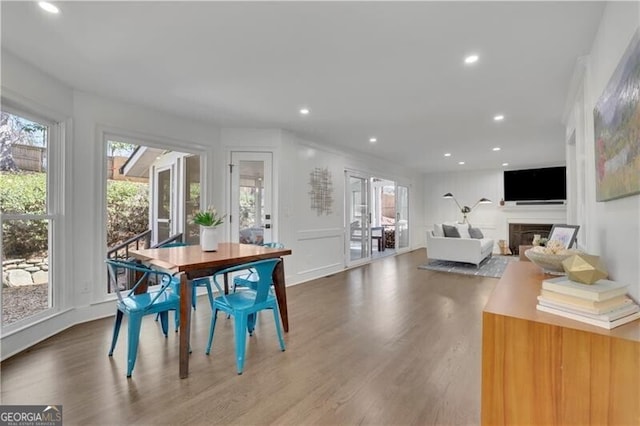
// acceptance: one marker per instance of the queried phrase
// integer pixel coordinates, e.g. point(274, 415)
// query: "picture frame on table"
point(565, 233)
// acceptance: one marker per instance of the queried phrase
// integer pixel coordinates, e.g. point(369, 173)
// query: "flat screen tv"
point(545, 184)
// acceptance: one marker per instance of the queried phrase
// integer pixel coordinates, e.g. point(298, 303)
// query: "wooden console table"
point(540, 368)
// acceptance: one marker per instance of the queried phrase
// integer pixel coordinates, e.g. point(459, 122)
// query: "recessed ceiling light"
point(305, 111)
point(505, 164)
point(461, 162)
point(373, 140)
point(497, 148)
point(448, 154)
point(471, 59)
point(45, 5)
point(498, 117)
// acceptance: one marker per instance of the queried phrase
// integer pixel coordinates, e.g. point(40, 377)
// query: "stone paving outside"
point(25, 289)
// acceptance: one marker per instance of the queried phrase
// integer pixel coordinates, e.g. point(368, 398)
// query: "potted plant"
point(208, 220)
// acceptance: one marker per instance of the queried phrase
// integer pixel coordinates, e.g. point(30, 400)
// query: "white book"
point(601, 290)
point(604, 324)
point(612, 315)
point(590, 306)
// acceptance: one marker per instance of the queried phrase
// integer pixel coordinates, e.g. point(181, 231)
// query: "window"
point(152, 192)
point(27, 216)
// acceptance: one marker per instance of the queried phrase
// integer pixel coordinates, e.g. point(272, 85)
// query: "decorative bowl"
point(551, 263)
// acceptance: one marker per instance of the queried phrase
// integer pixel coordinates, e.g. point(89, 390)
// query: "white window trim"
point(56, 201)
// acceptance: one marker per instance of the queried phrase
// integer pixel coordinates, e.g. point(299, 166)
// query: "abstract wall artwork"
point(321, 193)
point(617, 129)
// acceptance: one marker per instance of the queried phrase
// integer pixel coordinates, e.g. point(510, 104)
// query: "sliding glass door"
point(402, 217)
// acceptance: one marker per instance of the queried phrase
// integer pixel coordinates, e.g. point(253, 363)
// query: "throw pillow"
point(463, 230)
point(437, 230)
point(450, 231)
point(476, 233)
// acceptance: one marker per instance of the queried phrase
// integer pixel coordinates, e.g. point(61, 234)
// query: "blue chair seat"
point(145, 302)
point(198, 282)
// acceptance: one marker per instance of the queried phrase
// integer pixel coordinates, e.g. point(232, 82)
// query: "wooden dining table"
point(193, 263)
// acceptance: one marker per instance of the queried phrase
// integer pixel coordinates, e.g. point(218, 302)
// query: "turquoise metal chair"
point(245, 305)
point(198, 282)
point(136, 306)
point(249, 280)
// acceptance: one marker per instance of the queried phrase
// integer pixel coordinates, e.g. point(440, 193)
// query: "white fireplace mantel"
point(537, 214)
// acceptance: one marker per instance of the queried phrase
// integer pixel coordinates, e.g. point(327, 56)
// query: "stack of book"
point(604, 304)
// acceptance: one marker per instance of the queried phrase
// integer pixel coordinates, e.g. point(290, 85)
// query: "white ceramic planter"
point(208, 238)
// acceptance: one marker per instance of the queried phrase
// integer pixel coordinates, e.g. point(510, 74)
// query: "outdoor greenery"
point(127, 210)
point(21, 192)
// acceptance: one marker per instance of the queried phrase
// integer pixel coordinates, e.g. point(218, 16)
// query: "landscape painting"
point(617, 129)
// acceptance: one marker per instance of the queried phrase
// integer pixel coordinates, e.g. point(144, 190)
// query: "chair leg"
point(276, 318)
point(176, 319)
point(134, 335)
point(164, 322)
point(116, 331)
point(210, 294)
point(251, 323)
point(193, 295)
point(241, 339)
point(212, 328)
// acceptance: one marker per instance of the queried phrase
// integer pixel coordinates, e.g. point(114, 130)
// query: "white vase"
point(536, 239)
point(208, 238)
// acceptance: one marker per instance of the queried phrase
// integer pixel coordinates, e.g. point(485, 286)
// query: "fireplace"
point(522, 234)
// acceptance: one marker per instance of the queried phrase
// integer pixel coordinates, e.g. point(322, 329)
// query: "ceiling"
point(390, 70)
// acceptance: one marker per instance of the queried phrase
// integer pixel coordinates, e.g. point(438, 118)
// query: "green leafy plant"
point(209, 217)
point(127, 210)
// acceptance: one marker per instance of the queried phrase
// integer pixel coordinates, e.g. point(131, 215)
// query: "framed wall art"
point(617, 129)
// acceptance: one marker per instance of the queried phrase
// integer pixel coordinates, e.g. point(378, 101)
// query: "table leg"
point(185, 324)
point(281, 294)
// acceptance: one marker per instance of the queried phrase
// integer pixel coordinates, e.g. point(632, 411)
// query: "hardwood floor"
point(386, 343)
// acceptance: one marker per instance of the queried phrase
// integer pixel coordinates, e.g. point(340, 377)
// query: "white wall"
point(613, 227)
point(316, 241)
point(493, 219)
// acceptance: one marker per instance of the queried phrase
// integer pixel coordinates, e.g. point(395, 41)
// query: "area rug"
point(493, 267)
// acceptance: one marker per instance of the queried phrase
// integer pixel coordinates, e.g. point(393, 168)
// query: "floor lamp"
point(465, 210)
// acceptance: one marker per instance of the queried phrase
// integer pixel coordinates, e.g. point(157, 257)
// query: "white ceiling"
point(385, 69)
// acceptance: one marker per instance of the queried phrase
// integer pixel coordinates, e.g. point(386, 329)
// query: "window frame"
point(105, 133)
point(55, 201)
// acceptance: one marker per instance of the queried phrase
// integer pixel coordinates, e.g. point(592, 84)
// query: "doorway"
point(251, 198)
point(376, 217)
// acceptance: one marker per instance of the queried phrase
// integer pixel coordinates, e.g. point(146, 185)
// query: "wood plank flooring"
point(386, 343)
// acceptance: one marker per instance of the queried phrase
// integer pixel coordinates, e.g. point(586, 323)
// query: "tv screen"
point(544, 184)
